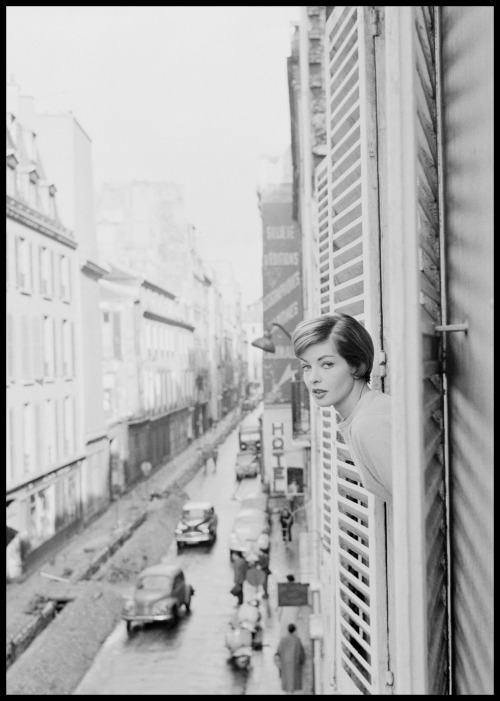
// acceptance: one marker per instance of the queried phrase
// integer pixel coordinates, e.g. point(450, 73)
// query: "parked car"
point(255, 500)
point(197, 524)
point(250, 533)
point(247, 465)
point(249, 437)
point(159, 593)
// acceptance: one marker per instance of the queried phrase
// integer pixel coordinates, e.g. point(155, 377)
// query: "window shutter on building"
point(352, 285)
point(420, 516)
point(430, 300)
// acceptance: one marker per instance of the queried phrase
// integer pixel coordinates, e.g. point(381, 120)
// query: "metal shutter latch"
point(453, 327)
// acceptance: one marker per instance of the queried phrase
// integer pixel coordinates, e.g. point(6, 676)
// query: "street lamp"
point(266, 342)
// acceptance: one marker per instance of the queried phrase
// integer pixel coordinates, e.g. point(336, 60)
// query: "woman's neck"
point(360, 388)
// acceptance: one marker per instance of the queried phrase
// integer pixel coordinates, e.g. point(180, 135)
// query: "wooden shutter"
point(430, 300)
point(352, 285)
point(420, 518)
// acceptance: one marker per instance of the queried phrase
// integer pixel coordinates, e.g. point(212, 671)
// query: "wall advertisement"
point(282, 289)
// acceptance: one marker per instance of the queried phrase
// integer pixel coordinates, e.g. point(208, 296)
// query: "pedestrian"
point(264, 566)
point(240, 567)
point(286, 520)
point(336, 354)
point(289, 658)
point(215, 455)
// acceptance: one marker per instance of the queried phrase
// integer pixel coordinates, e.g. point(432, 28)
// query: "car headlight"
point(128, 607)
point(161, 607)
point(204, 528)
point(181, 528)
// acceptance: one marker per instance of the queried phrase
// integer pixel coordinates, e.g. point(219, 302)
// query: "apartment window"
point(23, 264)
point(10, 348)
point(51, 433)
point(11, 181)
point(69, 426)
point(107, 336)
point(52, 205)
point(46, 272)
point(32, 194)
point(117, 336)
point(67, 348)
point(37, 343)
point(48, 348)
point(148, 340)
point(28, 439)
point(27, 368)
point(11, 453)
point(65, 278)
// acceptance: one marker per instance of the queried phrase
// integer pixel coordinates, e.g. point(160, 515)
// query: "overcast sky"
point(190, 94)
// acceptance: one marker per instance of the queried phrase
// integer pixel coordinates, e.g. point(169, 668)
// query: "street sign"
point(293, 594)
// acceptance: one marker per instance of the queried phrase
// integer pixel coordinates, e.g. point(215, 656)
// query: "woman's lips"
point(319, 392)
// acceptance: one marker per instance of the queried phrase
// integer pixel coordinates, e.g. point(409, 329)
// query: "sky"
point(194, 95)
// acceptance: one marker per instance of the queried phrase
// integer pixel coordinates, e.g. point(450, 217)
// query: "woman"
point(336, 354)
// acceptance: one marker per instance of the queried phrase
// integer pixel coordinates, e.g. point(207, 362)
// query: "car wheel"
point(188, 603)
point(180, 546)
point(175, 614)
point(129, 626)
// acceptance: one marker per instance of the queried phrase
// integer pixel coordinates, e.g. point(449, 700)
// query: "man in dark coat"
point(290, 657)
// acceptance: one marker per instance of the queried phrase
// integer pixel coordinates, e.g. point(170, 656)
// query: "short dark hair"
point(291, 628)
point(352, 340)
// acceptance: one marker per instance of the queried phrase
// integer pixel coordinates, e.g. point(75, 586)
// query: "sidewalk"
point(286, 558)
point(29, 608)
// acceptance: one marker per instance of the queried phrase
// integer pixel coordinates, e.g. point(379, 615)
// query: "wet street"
point(191, 657)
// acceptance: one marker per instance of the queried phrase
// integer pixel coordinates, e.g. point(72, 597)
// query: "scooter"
point(249, 617)
point(239, 644)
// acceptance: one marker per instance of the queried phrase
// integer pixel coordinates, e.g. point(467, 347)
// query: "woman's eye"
point(327, 365)
point(305, 367)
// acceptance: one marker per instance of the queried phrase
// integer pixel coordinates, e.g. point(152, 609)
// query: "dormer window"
point(11, 173)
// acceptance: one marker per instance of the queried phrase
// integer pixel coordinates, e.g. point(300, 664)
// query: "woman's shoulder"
point(374, 401)
point(373, 410)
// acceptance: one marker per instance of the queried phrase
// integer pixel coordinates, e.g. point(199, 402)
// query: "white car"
point(250, 532)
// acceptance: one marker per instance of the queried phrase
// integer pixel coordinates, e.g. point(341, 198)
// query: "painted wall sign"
point(293, 594)
point(282, 287)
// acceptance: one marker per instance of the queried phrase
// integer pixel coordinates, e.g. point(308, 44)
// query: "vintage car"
point(249, 438)
point(197, 524)
point(247, 465)
point(255, 500)
point(250, 533)
point(159, 593)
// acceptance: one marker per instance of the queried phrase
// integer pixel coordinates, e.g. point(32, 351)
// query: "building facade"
point(45, 430)
point(149, 376)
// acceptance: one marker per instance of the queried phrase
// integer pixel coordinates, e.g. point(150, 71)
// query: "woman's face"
point(328, 376)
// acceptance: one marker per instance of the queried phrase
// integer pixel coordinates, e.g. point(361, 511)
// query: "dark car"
point(249, 437)
point(159, 593)
point(197, 524)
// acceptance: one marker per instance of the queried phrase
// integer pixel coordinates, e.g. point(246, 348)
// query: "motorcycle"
point(249, 617)
point(239, 644)
point(245, 634)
